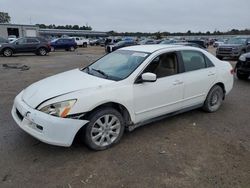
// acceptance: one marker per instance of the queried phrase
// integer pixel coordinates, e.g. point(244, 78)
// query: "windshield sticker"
point(139, 54)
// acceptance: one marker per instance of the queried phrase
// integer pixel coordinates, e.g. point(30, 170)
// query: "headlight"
point(0, 45)
point(60, 109)
point(242, 57)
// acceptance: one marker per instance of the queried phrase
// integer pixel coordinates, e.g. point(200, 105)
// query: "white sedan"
point(125, 89)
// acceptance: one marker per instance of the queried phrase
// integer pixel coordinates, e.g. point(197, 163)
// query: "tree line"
point(74, 27)
point(188, 33)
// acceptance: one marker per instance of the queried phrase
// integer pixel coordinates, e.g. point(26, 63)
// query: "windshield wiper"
point(101, 72)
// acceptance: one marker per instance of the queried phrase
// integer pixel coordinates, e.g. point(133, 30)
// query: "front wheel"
point(72, 49)
point(214, 99)
point(105, 128)
point(52, 49)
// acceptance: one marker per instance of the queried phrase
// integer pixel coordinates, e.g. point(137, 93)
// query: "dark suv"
point(242, 67)
point(67, 44)
point(233, 48)
point(36, 45)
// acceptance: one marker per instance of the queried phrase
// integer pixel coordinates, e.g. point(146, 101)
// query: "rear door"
point(199, 76)
point(32, 44)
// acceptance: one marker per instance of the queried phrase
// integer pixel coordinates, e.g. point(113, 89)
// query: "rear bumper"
point(46, 128)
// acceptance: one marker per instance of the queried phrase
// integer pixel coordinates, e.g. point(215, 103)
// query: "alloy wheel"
point(105, 130)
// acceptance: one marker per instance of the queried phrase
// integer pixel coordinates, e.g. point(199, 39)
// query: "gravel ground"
point(194, 149)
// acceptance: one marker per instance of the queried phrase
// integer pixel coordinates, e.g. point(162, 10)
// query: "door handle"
point(177, 82)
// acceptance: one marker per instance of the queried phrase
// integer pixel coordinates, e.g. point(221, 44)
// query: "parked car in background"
point(81, 41)
point(124, 89)
point(36, 45)
point(242, 67)
point(111, 41)
point(189, 44)
point(168, 41)
point(218, 43)
point(94, 42)
point(233, 48)
point(12, 38)
point(3, 40)
point(202, 43)
point(147, 41)
point(118, 45)
point(67, 44)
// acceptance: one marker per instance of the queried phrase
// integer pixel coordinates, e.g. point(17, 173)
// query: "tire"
point(7, 52)
point(84, 45)
point(42, 51)
point(214, 99)
point(241, 76)
point(99, 134)
point(72, 48)
point(52, 49)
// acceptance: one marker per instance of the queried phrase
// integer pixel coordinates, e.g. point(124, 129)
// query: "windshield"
point(117, 65)
point(236, 41)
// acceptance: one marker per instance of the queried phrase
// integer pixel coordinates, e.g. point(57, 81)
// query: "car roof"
point(150, 48)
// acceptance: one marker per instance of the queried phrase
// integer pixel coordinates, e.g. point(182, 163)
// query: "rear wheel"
point(105, 128)
point(7, 52)
point(214, 99)
point(84, 45)
point(42, 51)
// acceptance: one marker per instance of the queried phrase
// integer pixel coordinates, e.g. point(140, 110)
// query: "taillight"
point(232, 71)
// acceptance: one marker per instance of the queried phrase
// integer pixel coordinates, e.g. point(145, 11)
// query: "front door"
point(162, 96)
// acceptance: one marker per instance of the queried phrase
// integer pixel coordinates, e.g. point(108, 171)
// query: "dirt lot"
point(194, 149)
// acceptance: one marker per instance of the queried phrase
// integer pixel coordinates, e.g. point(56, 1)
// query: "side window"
point(163, 65)
point(193, 60)
point(32, 41)
point(21, 41)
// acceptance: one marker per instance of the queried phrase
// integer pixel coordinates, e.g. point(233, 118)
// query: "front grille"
point(20, 116)
point(225, 50)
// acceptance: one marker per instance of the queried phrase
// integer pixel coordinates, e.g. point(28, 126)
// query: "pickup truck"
point(233, 48)
point(81, 41)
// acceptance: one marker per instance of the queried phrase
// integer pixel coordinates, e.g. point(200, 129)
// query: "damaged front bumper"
point(46, 128)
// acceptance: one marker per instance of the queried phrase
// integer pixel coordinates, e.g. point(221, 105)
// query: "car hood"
point(230, 45)
point(60, 84)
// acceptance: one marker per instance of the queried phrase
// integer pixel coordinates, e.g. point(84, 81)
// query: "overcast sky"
point(133, 15)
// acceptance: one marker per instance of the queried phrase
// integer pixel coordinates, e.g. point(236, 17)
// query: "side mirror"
point(148, 77)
